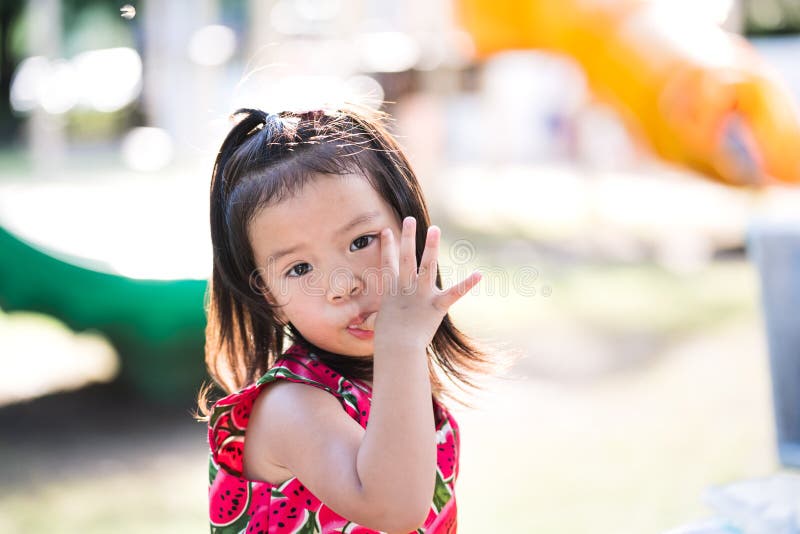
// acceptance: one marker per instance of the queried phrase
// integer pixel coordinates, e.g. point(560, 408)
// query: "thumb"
point(451, 295)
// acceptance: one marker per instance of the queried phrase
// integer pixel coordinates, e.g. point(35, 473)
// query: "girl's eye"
point(360, 240)
point(292, 270)
point(363, 241)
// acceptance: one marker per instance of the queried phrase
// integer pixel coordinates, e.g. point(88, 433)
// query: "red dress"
point(237, 504)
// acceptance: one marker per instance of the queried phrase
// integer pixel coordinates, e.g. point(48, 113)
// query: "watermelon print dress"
point(239, 505)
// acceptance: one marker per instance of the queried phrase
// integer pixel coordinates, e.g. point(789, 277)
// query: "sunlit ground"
point(607, 428)
point(641, 389)
point(628, 453)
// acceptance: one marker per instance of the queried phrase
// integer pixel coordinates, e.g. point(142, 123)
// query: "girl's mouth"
point(359, 333)
point(365, 328)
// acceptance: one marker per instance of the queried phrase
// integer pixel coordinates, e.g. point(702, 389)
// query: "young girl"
point(321, 235)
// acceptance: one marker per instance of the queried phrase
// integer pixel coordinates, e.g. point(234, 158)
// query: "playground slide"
point(697, 95)
point(157, 326)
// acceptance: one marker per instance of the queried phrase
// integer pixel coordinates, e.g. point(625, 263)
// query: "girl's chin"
point(349, 346)
point(359, 346)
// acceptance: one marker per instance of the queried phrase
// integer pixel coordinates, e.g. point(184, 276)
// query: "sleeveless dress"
point(237, 504)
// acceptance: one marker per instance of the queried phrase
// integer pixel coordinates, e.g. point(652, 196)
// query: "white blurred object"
point(110, 78)
point(704, 44)
point(298, 17)
point(301, 92)
point(318, 9)
point(601, 140)
point(716, 11)
point(147, 149)
point(30, 75)
point(285, 18)
point(387, 51)
point(103, 80)
point(768, 505)
point(712, 526)
point(212, 45)
point(115, 225)
point(127, 11)
point(40, 355)
point(58, 93)
point(528, 101)
point(51, 85)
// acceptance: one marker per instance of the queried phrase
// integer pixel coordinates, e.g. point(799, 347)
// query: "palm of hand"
point(412, 306)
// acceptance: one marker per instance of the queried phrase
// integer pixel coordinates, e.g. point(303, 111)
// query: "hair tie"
point(255, 119)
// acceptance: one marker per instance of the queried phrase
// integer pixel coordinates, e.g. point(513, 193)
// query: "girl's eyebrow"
point(361, 219)
point(364, 217)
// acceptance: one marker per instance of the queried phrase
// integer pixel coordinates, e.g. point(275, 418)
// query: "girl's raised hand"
point(412, 307)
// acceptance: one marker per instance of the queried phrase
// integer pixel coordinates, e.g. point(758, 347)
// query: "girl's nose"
point(343, 284)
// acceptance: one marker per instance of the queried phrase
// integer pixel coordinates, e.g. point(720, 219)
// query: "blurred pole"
point(261, 36)
point(774, 246)
point(45, 131)
point(208, 79)
point(175, 92)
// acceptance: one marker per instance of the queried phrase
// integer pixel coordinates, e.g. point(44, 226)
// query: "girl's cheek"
point(281, 288)
point(371, 270)
point(375, 258)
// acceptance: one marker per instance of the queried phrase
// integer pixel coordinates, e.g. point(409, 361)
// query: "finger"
point(451, 295)
point(388, 273)
point(408, 253)
point(427, 265)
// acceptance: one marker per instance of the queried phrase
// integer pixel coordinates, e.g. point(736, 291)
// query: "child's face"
point(332, 276)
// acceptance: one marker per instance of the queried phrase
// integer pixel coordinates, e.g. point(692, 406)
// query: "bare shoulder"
point(275, 411)
point(284, 404)
point(286, 419)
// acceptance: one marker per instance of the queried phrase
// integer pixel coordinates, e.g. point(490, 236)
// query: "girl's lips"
point(364, 321)
point(359, 333)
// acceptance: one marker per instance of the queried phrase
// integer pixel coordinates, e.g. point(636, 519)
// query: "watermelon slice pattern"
point(238, 505)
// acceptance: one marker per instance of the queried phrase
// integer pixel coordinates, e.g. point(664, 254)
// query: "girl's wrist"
point(405, 345)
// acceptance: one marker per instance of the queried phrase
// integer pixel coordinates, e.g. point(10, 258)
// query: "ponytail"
point(235, 339)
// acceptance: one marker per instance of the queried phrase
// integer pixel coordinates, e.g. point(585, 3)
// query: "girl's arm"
point(397, 460)
point(305, 430)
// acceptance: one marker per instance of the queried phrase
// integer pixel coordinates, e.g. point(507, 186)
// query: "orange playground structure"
point(697, 95)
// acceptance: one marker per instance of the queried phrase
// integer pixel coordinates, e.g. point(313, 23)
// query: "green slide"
point(157, 326)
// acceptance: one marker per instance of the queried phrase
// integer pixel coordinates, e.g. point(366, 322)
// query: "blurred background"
point(614, 253)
